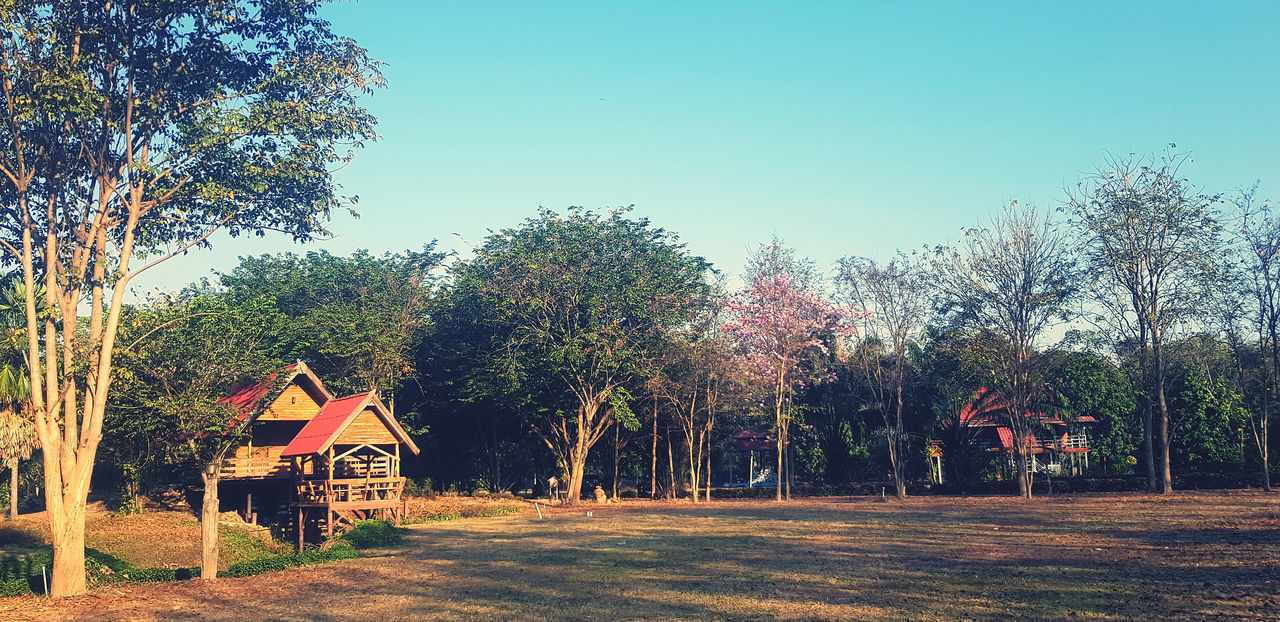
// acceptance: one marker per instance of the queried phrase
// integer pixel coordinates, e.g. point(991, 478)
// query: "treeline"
point(596, 347)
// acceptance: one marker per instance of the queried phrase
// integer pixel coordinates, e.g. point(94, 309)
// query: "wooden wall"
point(293, 404)
point(367, 428)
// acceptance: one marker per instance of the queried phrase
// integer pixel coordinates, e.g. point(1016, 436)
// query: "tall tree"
point(1257, 242)
point(17, 431)
point(957, 364)
point(1012, 280)
point(356, 318)
point(140, 128)
point(694, 373)
point(574, 309)
point(1147, 235)
point(1090, 385)
point(780, 319)
point(892, 302)
point(183, 357)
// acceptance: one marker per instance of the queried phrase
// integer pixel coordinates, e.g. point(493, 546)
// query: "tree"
point(779, 319)
point(17, 435)
point(892, 302)
point(1205, 414)
point(1257, 242)
point(355, 318)
point(957, 365)
point(1148, 235)
point(695, 370)
point(186, 355)
point(1011, 280)
point(17, 432)
point(1089, 385)
point(138, 129)
point(572, 310)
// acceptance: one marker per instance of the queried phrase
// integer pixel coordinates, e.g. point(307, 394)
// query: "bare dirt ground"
point(1188, 556)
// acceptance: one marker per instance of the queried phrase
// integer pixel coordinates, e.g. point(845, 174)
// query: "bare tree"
point(891, 304)
point(1257, 235)
point(1148, 236)
point(1011, 280)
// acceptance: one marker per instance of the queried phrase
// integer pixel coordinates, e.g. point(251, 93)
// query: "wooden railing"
point(350, 490)
point(1069, 441)
point(360, 466)
point(257, 466)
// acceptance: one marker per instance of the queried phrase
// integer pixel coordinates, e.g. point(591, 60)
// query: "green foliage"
point(243, 547)
point(293, 560)
point(181, 355)
point(22, 574)
point(373, 533)
point(1206, 417)
point(551, 318)
point(1088, 385)
point(355, 319)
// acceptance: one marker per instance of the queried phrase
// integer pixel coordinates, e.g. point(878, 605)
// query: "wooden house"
point(1055, 444)
point(316, 460)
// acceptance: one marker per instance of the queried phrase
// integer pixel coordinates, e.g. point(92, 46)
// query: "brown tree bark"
point(209, 523)
point(13, 488)
point(1166, 472)
point(653, 456)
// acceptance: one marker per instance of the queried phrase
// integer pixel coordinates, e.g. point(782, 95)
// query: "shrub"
point(280, 562)
point(373, 533)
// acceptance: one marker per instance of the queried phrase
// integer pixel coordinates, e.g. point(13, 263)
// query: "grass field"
point(1116, 557)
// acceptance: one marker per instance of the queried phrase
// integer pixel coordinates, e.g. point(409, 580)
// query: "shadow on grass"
point(843, 560)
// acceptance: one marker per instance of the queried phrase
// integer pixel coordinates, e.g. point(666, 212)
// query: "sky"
point(844, 128)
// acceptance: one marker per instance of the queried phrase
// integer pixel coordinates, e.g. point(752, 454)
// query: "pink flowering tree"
point(782, 323)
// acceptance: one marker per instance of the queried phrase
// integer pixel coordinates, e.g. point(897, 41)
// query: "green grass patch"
point(241, 546)
point(292, 560)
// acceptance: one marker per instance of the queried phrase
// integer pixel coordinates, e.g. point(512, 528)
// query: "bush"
point(281, 562)
point(418, 487)
point(373, 533)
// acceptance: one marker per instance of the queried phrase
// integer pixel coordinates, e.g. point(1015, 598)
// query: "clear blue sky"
point(843, 127)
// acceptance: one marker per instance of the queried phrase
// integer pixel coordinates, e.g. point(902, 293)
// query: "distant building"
point(1057, 444)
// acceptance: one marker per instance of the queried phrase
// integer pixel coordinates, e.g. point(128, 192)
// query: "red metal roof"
point(753, 440)
point(245, 399)
point(334, 417)
point(982, 413)
point(1006, 437)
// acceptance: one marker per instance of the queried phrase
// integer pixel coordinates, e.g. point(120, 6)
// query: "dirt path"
point(1188, 556)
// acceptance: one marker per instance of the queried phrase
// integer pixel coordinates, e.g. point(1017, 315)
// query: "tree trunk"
point(653, 456)
point(899, 486)
point(1148, 446)
point(209, 523)
point(1266, 472)
point(791, 461)
point(1024, 477)
point(13, 488)
point(780, 444)
point(695, 462)
point(706, 494)
point(575, 472)
point(1166, 471)
point(671, 468)
point(68, 578)
point(616, 460)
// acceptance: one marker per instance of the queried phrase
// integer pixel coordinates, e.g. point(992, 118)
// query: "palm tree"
point(17, 433)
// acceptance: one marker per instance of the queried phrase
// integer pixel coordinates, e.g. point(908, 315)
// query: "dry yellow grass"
point(1117, 557)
